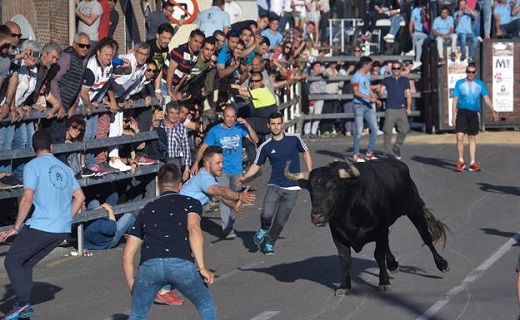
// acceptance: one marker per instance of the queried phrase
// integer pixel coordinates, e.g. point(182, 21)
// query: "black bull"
point(360, 203)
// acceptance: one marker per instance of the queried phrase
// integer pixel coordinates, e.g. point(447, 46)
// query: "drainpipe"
point(72, 20)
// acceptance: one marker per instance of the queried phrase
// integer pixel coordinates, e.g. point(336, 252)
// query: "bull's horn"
point(352, 172)
point(295, 176)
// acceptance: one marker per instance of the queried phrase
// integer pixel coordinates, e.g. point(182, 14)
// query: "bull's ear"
point(304, 184)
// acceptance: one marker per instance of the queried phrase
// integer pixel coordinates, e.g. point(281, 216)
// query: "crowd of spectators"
point(88, 90)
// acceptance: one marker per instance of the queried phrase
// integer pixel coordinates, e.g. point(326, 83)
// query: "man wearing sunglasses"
point(65, 84)
point(397, 109)
point(466, 109)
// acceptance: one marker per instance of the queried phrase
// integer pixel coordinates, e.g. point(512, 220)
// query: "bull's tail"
point(436, 228)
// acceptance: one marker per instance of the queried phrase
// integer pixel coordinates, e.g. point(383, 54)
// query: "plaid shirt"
point(178, 146)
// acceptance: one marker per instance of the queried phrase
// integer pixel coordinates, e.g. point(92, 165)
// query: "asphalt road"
point(481, 209)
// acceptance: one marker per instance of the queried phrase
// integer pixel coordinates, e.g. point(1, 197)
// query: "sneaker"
point(168, 298)
point(145, 161)
point(268, 249)
point(358, 157)
point(474, 167)
point(441, 62)
point(410, 53)
point(87, 173)
point(23, 312)
point(479, 38)
point(119, 165)
point(11, 181)
point(259, 236)
point(471, 60)
point(231, 235)
point(98, 170)
point(397, 153)
point(108, 168)
point(416, 65)
point(389, 38)
point(370, 156)
point(460, 166)
point(463, 57)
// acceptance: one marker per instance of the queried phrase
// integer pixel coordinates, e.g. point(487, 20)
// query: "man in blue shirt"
point(464, 20)
point(281, 193)
point(443, 29)
point(228, 135)
point(466, 108)
point(363, 99)
point(214, 18)
point(397, 108)
point(50, 185)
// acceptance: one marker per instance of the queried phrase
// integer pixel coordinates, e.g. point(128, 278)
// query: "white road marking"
point(265, 315)
point(470, 278)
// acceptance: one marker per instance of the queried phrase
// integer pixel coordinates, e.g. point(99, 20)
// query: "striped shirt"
point(178, 146)
point(185, 62)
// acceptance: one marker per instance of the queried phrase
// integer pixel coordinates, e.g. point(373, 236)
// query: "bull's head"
point(324, 185)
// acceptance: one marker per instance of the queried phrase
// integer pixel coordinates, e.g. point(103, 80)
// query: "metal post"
point(80, 239)
point(342, 35)
point(331, 36)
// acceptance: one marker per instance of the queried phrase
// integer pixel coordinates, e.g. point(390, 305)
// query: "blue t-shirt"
point(363, 83)
point(212, 19)
point(197, 186)
point(230, 139)
point(396, 88)
point(278, 153)
point(464, 25)
point(274, 38)
point(504, 11)
point(224, 55)
point(53, 183)
point(417, 19)
point(469, 93)
point(443, 26)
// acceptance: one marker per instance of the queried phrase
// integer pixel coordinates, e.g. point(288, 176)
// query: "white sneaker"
point(410, 53)
point(358, 157)
point(416, 64)
point(119, 165)
point(389, 38)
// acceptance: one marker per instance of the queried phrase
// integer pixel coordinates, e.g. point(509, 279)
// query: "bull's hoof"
point(341, 292)
point(443, 266)
point(394, 267)
point(385, 288)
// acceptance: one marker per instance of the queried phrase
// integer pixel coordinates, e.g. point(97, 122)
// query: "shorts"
point(467, 122)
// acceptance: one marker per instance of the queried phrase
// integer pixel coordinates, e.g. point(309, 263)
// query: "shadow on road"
point(41, 292)
point(441, 163)
point(515, 191)
point(496, 232)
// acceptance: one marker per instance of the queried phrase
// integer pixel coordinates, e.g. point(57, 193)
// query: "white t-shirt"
point(87, 8)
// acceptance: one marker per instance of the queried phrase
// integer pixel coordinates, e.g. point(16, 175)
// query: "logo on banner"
point(184, 10)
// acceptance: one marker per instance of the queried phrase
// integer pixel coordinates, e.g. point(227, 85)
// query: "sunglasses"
point(471, 72)
point(150, 70)
point(16, 35)
point(396, 68)
point(357, 50)
point(288, 47)
point(75, 127)
point(83, 46)
point(252, 81)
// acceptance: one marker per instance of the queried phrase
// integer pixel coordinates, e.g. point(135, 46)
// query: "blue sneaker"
point(268, 249)
point(24, 312)
point(259, 236)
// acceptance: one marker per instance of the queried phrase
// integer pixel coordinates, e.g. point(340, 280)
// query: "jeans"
point(6, 143)
point(348, 107)
point(286, 18)
point(418, 40)
point(123, 224)
point(91, 124)
point(361, 112)
point(311, 127)
point(227, 215)
point(278, 203)
point(485, 6)
point(182, 274)
point(472, 44)
point(395, 24)
point(23, 133)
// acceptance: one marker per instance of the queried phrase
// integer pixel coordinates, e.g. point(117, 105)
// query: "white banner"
point(503, 78)
point(456, 71)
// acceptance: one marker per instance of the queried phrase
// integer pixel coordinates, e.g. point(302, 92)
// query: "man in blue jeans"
point(168, 234)
point(363, 99)
point(281, 193)
point(50, 186)
point(105, 233)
